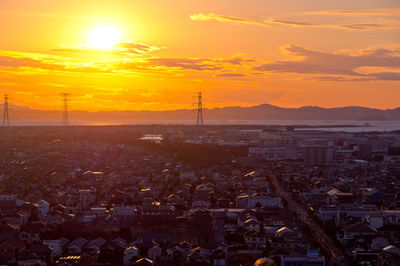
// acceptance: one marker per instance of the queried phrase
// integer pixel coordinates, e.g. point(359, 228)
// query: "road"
point(326, 243)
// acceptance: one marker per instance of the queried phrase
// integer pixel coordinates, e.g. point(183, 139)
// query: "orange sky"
point(286, 53)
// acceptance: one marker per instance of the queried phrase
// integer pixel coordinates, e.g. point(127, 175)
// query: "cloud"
point(235, 60)
point(84, 50)
point(121, 48)
point(317, 62)
point(185, 63)
point(233, 64)
point(290, 23)
point(229, 75)
point(394, 76)
point(25, 61)
point(132, 47)
point(20, 62)
point(327, 78)
point(15, 62)
point(364, 26)
point(223, 18)
point(355, 26)
point(362, 12)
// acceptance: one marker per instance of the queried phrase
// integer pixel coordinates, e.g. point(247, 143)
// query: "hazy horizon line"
point(204, 108)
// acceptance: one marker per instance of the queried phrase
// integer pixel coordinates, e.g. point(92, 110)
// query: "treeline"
point(200, 155)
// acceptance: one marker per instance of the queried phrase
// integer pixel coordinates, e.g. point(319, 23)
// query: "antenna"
point(65, 119)
point(6, 118)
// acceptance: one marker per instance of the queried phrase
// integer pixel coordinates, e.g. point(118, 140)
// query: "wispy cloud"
point(383, 24)
point(121, 48)
point(291, 23)
point(229, 75)
point(364, 26)
point(339, 63)
point(24, 62)
point(362, 12)
point(185, 63)
point(223, 18)
point(355, 26)
point(237, 59)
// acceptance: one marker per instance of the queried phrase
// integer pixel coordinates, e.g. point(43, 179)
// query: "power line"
point(199, 122)
point(65, 117)
point(6, 118)
point(199, 110)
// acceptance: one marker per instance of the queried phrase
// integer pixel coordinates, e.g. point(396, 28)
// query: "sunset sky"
point(155, 55)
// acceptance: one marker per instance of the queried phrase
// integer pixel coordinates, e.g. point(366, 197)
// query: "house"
point(195, 258)
point(358, 230)
point(188, 175)
point(154, 253)
point(379, 243)
point(8, 231)
point(218, 257)
point(255, 240)
point(93, 247)
point(76, 246)
point(113, 251)
point(252, 224)
point(31, 232)
point(16, 217)
point(375, 221)
point(175, 200)
point(9, 249)
point(290, 260)
point(54, 217)
point(338, 197)
point(244, 216)
point(123, 211)
point(201, 204)
point(57, 245)
point(43, 208)
point(144, 262)
point(131, 253)
point(83, 259)
point(157, 213)
point(43, 251)
point(390, 232)
point(391, 254)
point(179, 252)
point(158, 237)
point(31, 262)
point(98, 211)
point(263, 199)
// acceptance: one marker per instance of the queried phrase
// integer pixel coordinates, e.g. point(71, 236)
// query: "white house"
point(265, 200)
point(43, 208)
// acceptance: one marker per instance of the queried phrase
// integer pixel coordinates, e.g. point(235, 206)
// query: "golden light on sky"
point(154, 55)
point(104, 36)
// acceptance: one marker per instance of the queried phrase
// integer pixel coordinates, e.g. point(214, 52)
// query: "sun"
point(104, 36)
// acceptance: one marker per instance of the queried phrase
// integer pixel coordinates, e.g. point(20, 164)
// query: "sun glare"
point(104, 37)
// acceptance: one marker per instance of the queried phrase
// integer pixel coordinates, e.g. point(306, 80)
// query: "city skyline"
point(127, 55)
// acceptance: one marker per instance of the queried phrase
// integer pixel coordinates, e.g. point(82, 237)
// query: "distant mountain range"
point(263, 112)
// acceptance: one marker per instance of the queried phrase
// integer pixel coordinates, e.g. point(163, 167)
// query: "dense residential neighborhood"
point(171, 195)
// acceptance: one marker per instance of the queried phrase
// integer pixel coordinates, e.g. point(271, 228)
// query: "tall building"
point(318, 154)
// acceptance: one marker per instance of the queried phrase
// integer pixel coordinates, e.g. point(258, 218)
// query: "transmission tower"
point(199, 110)
point(65, 119)
point(6, 118)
